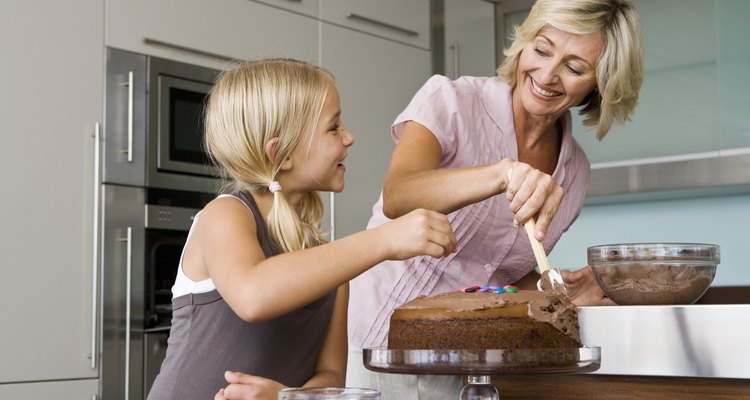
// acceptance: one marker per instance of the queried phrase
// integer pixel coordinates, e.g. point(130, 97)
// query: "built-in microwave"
point(153, 128)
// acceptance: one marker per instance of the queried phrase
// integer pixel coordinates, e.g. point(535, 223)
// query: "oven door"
point(181, 128)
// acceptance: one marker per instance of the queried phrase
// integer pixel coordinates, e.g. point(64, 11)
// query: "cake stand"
point(479, 365)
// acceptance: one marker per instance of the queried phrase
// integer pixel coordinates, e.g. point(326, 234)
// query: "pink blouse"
point(472, 118)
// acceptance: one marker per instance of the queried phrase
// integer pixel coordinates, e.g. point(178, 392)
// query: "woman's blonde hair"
point(251, 104)
point(619, 70)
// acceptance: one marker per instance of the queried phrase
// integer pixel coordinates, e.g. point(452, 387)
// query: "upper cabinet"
point(405, 21)
point(306, 7)
point(469, 49)
point(210, 33)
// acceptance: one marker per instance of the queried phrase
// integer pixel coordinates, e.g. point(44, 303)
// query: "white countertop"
point(710, 341)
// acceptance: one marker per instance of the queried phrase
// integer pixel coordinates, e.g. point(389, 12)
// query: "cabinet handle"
point(128, 272)
point(130, 85)
point(95, 251)
point(382, 24)
point(456, 70)
point(174, 46)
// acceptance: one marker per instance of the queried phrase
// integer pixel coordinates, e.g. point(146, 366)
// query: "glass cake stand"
point(479, 365)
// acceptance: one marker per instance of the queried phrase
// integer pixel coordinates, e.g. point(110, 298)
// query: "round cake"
point(526, 319)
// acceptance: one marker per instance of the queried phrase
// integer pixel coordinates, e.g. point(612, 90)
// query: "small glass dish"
point(654, 273)
point(328, 393)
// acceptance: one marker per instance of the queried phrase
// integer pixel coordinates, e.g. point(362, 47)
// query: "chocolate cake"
point(484, 320)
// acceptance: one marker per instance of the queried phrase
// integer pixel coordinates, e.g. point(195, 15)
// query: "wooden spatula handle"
point(536, 247)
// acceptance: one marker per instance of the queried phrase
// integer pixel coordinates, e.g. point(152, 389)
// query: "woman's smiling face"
point(556, 71)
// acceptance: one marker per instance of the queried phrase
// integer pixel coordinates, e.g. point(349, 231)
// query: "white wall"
point(718, 220)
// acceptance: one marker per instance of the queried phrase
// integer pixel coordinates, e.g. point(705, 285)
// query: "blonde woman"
point(259, 294)
point(456, 142)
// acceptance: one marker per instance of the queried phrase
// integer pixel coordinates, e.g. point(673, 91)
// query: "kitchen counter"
point(707, 341)
point(688, 352)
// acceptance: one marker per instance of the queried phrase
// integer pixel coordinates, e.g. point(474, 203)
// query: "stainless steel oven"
point(155, 178)
point(143, 233)
point(154, 123)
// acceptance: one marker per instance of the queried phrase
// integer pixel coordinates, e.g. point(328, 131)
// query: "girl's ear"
point(270, 150)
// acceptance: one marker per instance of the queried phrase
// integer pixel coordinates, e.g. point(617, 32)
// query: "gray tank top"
point(208, 338)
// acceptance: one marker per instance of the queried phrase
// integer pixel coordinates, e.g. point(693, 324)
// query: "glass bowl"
point(654, 273)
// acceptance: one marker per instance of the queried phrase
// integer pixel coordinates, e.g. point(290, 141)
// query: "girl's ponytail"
point(291, 230)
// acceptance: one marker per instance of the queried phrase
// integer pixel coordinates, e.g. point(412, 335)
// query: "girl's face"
point(556, 71)
point(319, 161)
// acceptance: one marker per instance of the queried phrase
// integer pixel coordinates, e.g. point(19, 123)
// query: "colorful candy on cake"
point(486, 317)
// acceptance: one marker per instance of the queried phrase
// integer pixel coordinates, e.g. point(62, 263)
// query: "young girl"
point(258, 290)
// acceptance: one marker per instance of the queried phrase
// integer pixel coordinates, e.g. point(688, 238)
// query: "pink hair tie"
point(274, 187)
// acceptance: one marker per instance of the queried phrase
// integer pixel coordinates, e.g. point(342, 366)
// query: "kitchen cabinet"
point(59, 390)
point(404, 21)
point(307, 7)
point(376, 79)
point(469, 27)
point(210, 33)
point(52, 102)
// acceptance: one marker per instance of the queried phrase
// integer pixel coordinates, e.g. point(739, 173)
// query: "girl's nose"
point(348, 137)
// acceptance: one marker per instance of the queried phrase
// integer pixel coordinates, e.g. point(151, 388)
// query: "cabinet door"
point(405, 21)
point(469, 38)
point(123, 249)
point(52, 93)
point(391, 73)
point(63, 390)
point(209, 32)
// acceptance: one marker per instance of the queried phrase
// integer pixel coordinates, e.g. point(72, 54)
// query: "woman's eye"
point(540, 51)
point(335, 128)
point(574, 70)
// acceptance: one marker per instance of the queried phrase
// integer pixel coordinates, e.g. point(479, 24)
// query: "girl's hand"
point(583, 289)
point(420, 232)
point(532, 192)
point(248, 387)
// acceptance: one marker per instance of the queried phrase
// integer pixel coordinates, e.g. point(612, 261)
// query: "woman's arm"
point(415, 180)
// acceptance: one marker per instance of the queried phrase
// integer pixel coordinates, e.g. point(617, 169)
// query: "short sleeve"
point(434, 106)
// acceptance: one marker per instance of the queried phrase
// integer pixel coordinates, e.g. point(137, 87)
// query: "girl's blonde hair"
point(619, 71)
point(251, 104)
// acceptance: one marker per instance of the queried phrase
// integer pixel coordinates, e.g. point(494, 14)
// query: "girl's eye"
point(335, 128)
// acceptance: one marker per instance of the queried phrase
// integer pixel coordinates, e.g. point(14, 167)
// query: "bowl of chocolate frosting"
point(654, 273)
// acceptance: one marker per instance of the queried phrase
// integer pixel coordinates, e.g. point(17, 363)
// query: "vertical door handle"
point(95, 245)
point(456, 66)
point(128, 274)
point(130, 85)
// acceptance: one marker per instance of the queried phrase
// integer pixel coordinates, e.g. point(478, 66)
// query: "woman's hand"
point(531, 192)
point(583, 289)
point(420, 232)
point(248, 387)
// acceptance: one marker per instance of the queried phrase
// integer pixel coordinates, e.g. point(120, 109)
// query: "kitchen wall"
point(694, 99)
point(722, 220)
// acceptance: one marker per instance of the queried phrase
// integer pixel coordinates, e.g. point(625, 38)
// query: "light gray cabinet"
point(376, 78)
point(210, 33)
point(52, 101)
point(469, 32)
point(58, 390)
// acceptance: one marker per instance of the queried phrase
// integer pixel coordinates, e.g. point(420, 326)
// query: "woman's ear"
point(270, 150)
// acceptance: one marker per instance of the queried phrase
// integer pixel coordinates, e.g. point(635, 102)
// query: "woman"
point(456, 142)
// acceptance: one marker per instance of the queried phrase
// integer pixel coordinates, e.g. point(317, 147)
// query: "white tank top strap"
point(184, 285)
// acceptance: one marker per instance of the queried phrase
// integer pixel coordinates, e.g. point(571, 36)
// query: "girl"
point(258, 290)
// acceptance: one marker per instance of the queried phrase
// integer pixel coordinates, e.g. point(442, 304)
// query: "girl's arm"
point(258, 289)
point(330, 370)
point(415, 180)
